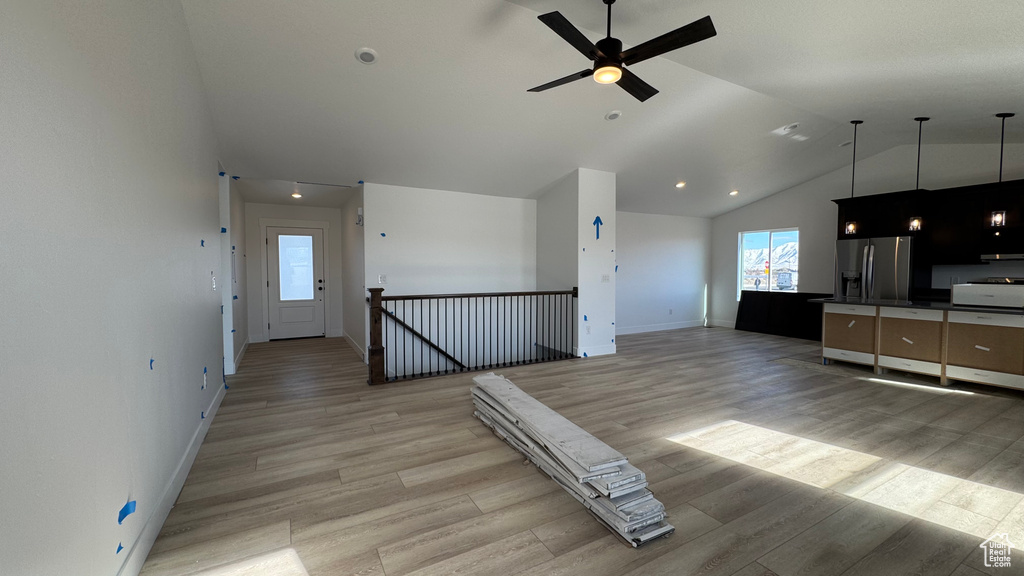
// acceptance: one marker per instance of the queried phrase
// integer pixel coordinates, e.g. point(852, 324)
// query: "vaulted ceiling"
point(446, 106)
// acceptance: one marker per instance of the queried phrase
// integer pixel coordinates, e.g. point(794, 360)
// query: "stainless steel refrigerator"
point(873, 268)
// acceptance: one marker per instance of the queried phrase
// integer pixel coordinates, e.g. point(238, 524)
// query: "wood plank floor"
point(303, 457)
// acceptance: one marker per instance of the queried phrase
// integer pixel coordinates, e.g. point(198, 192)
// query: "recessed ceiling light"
point(366, 55)
point(613, 115)
point(734, 192)
point(296, 195)
point(681, 184)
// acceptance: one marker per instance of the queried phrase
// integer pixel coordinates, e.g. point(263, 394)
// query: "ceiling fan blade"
point(570, 34)
point(690, 34)
point(570, 78)
point(634, 85)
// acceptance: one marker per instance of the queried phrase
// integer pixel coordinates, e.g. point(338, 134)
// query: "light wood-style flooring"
point(303, 457)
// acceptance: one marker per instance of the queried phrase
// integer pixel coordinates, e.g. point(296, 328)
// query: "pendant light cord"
point(609, 19)
point(1002, 139)
point(853, 172)
point(920, 123)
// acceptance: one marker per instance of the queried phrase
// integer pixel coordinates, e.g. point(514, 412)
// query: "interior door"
point(295, 281)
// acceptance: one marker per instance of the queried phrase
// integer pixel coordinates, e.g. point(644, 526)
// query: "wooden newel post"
point(376, 360)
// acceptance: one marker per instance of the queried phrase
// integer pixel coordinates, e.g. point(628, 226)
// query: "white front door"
point(295, 265)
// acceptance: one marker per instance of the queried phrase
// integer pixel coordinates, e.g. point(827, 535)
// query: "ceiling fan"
point(610, 61)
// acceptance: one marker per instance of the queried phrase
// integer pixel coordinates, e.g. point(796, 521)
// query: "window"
point(768, 261)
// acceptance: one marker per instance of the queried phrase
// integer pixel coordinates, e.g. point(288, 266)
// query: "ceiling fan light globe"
point(607, 74)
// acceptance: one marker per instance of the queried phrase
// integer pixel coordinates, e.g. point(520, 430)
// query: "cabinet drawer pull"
point(983, 317)
point(980, 347)
point(852, 322)
point(908, 340)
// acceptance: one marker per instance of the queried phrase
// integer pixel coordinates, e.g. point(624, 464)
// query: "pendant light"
point(1002, 139)
point(851, 227)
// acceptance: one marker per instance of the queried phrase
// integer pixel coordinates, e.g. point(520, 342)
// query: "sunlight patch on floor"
point(280, 563)
point(932, 389)
point(952, 502)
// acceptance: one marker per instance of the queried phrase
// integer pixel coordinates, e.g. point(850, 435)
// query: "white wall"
point(664, 266)
point(557, 235)
point(596, 276)
point(440, 242)
point(352, 274)
point(809, 207)
point(238, 283)
point(255, 249)
point(109, 182)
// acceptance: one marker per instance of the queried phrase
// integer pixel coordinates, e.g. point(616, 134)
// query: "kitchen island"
point(967, 343)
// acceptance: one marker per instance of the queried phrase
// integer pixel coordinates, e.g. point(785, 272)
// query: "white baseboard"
point(721, 323)
point(139, 550)
point(241, 354)
point(335, 333)
point(355, 346)
point(596, 350)
point(657, 327)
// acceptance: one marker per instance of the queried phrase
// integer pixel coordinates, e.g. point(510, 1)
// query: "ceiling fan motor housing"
point(611, 48)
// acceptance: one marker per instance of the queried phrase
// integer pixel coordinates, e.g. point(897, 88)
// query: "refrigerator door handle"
point(864, 274)
point(871, 271)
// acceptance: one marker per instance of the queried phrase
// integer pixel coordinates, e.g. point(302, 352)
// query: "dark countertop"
point(920, 304)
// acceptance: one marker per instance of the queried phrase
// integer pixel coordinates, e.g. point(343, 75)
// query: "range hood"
point(996, 257)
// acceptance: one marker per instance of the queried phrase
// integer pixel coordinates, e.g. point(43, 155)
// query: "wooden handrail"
point(572, 292)
point(429, 342)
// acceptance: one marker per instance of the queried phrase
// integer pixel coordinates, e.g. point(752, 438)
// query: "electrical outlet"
point(382, 279)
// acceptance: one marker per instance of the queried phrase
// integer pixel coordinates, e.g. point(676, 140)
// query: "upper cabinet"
point(956, 223)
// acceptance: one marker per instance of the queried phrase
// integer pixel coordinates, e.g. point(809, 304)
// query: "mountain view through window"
point(769, 260)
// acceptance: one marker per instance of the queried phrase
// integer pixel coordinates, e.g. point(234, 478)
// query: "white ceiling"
point(280, 192)
point(446, 105)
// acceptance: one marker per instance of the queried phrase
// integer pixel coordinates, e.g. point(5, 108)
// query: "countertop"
point(920, 304)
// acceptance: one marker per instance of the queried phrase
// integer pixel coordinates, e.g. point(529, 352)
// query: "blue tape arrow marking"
point(584, 317)
point(223, 230)
point(235, 297)
point(382, 235)
point(151, 363)
point(221, 173)
point(202, 243)
point(202, 415)
point(127, 509)
point(119, 548)
point(226, 387)
point(232, 331)
point(597, 224)
point(584, 354)
point(204, 369)
point(235, 177)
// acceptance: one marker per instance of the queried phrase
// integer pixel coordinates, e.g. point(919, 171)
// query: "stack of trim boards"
point(595, 474)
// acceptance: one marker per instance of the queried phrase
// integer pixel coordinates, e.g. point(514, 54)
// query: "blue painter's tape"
point(584, 354)
point(127, 509)
point(221, 308)
point(584, 249)
point(202, 243)
point(226, 387)
point(613, 250)
point(221, 173)
point(613, 323)
point(223, 230)
point(232, 247)
point(382, 235)
point(119, 546)
point(202, 415)
point(361, 182)
point(235, 177)
point(232, 331)
point(204, 369)
point(584, 317)
point(613, 340)
point(151, 363)
point(235, 297)
point(616, 267)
